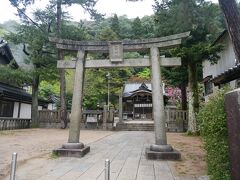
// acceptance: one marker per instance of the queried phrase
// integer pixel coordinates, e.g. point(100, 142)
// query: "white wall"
point(51, 106)
point(15, 109)
point(25, 111)
point(226, 61)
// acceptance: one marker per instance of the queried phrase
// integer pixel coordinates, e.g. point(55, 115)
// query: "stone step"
point(135, 127)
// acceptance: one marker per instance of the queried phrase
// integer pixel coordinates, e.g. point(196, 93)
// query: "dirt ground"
point(33, 143)
point(192, 154)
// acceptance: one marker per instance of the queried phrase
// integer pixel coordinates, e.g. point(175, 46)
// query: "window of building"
point(208, 88)
point(6, 108)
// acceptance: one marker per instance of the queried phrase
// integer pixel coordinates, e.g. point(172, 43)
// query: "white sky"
point(108, 7)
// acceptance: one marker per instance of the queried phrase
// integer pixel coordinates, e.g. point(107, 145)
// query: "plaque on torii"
point(116, 51)
point(159, 150)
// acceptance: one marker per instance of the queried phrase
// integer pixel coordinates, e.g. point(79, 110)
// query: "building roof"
point(12, 93)
point(6, 52)
point(225, 32)
point(132, 88)
point(227, 76)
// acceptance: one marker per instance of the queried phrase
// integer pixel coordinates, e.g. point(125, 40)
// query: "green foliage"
point(125, 27)
point(107, 34)
point(46, 89)
point(74, 32)
point(96, 86)
point(148, 25)
point(137, 28)
point(145, 74)
point(213, 129)
point(115, 24)
point(17, 77)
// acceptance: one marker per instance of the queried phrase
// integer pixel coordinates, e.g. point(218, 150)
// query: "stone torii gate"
point(159, 150)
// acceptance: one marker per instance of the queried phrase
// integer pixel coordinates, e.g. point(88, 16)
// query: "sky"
point(107, 7)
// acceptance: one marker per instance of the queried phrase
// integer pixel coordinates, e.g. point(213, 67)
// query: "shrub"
point(213, 129)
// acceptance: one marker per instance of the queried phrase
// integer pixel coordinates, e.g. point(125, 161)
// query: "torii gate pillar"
point(74, 148)
point(159, 150)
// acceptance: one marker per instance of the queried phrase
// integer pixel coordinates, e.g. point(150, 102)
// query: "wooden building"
point(137, 101)
point(16, 102)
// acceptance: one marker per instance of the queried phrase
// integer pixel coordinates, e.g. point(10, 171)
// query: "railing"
point(14, 123)
point(176, 120)
point(50, 116)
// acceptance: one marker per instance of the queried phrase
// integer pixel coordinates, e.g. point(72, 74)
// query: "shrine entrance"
point(159, 150)
point(137, 101)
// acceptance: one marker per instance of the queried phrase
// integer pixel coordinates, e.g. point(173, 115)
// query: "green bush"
point(213, 129)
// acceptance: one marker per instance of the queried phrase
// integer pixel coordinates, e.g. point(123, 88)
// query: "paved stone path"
point(126, 151)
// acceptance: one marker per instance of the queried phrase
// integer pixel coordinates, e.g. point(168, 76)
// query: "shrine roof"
point(131, 88)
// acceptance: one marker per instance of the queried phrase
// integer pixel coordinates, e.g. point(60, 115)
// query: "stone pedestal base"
point(72, 150)
point(162, 152)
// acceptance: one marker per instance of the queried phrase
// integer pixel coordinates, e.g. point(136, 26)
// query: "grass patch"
point(5, 133)
point(54, 155)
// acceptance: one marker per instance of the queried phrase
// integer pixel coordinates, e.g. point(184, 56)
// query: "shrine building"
point(137, 101)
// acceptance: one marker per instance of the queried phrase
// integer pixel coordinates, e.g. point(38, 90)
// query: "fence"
point(176, 120)
point(50, 119)
point(48, 116)
point(14, 123)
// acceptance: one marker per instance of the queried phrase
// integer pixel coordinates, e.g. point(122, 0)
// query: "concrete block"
point(72, 152)
point(171, 155)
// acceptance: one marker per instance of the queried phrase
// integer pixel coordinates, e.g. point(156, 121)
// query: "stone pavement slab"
point(126, 151)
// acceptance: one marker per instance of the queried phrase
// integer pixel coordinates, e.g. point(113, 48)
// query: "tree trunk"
point(34, 108)
point(193, 97)
point(63, 107)
point(232, 19)
point(184, 96)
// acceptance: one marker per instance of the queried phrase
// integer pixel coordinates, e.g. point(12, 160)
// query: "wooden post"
point(120, 111)
point(105, 117)
point(232, 105)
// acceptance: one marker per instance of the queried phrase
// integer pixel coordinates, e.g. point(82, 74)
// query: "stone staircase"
point(135, 126)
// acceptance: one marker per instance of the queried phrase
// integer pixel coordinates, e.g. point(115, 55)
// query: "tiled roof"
point(131, 88)
point(227, 76)
point(9, 92)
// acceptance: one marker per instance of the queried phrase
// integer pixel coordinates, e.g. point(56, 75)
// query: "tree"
point(115, 25)
point(148, 26)
point(232, 18)
point(137, 28)
point(88, 5)
point(17, 77)
point(40, 55)
point(175, 16)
